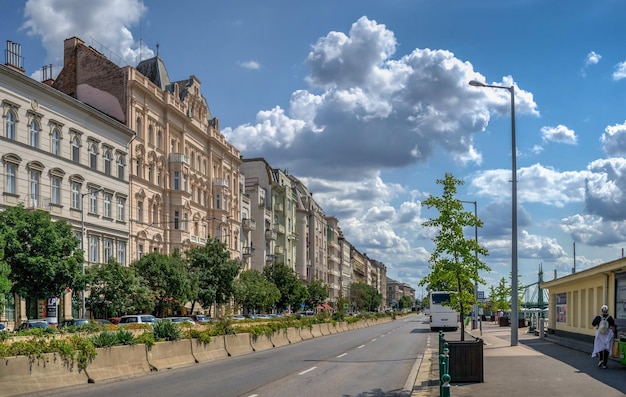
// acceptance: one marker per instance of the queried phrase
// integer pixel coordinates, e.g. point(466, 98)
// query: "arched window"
point(75, 150)
point(34, 133)
point(107, 162)
point(93, 156)
point(138, 130)
point(10, 125)
point(150, 135)
point(56, 142)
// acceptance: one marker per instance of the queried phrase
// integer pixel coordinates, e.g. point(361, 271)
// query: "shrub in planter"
point(104, 339)
point(166, 330)
point(147, 338)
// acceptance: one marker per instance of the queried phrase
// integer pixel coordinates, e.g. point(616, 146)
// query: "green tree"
point(318, 293)
point(215, 271)
point(365, 297)
point(292, 292)
point(5, 282)
point(500, 295)
point(254, 293)
point(115, 290)
point(455, 264)
point(167, 277)
point(406, 302)
point(42, 254)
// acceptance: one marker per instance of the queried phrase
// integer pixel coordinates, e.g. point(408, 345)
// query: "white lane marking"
point(374, 340)
point(341, 355)
point(308, 370)
point(253, 395)
point(360, 347)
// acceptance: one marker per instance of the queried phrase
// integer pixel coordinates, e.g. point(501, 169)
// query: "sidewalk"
point(535, 367)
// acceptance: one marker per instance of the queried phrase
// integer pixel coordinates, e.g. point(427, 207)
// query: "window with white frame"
point(107, 205)
point(120, 166)
point(121, 252)
point(93, 201)
point(108, 249)
point(55, 145)
point(140, 211)
point(34, 179)
point(121, 207)
point(93, 249)
point(55, 189)
point(76, 195)
point(11, 178)
point(34, 133)
point(75, 149)
point(93, 156)
point(107, 162)
point(139, 251)
point(10, 124)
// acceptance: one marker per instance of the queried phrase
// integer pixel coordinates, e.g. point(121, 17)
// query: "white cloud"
point(614, 139)
point(250, 65)
point(592, 58)
point(560, 133)
point(620, 71)
point(107, 22)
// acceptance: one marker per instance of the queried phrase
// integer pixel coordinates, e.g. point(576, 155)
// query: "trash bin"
point(466, 361)
point(622, 350)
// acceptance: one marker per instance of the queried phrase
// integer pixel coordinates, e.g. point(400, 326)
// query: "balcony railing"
point(247, 251)
point(270, 258)
point(36, 202)
point(178, 158)
point(248, 224)
point(278, 207)
point(280, 229)
point(279, 250)
point(197, 239)
point(220, 182)
point(270, 234)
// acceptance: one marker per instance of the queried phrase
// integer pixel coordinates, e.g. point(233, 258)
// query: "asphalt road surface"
point(377, 361)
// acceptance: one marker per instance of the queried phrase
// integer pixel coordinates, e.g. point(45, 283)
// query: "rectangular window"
point(140, 212)
point(76, 195)
point(108, 249)
point(34, 188)
point(56, 190)
point(218, 202)
point(176, 220)
point(561, 308)
point(93, 201)
point(185, 183)
point(139, 251)
point(185, 221)
point(121, 253)
point(150, 176)
point(93, 249)
point(11, 178)
point(121, 204)
point(158, 182)
point(176, 180)
point(120, 167)
point(107, 205)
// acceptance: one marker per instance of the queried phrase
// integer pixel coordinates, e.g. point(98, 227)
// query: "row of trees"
point(40, 258)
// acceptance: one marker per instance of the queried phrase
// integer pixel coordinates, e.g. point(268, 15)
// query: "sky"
point(368, 103)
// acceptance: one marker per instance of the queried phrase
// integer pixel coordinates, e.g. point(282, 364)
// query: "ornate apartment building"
point(184, 175)
point(62, 156)
point(333, 258)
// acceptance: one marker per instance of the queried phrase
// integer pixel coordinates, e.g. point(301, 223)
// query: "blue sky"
point(368, 103)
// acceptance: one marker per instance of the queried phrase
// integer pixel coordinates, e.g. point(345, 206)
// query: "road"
point(380, 360)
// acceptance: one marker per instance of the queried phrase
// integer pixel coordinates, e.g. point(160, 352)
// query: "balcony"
point(36, 202)
point(278, 207)
point(270, 234)
point(270, 258)
point(279, 250)
point(280, 229)
point(333, 259)
point(247, 251)
point(220, 182)
point(248, 224)
point(197, 240)
point(178, 158)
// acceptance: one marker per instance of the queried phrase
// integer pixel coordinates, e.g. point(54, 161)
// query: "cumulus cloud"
point(560, 134)
point(103, 24)
point(250, 65)
point(591, 59)
point(620, 71)
point(614, 139)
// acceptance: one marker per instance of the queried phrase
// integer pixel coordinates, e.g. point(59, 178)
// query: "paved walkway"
point(548, 366)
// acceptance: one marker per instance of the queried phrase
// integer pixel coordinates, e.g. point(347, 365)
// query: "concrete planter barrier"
point(341, 326)
point(239, 344)
point(261, 342)
point(279, 338)
point(214, 350)
point(324, 328)
point(316, 330)
point(165, 355)
point(293, 334)
point(306, 333)
point(118, 361)
point(19, 376)
point(332, 328)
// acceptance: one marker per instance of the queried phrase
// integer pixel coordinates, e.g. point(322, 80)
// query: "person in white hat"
point(605, 334)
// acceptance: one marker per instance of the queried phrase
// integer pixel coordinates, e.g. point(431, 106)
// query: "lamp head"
point(476, 83)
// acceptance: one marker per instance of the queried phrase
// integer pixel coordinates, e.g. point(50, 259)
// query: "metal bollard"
point(445, 388)
point(441, 338)
point(541, 330)
point(442, 371)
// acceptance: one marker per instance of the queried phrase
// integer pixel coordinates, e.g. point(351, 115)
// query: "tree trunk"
point(458, 287)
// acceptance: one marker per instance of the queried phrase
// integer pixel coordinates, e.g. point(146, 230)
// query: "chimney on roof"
point(13, 56)
point(46, 75)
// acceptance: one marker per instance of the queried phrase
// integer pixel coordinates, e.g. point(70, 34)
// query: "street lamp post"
point(82, 243)
point(476, 254)
point(514, 281)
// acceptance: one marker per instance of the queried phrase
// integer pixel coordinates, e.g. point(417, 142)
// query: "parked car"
point(238, 317)
point(77, 322)
point(31, 324)
point(201, 318)
point(137, 319)
point(114, 320)
point(103, 322)
point(180, 320)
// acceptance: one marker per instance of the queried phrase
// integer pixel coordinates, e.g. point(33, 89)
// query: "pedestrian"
point(605, 334)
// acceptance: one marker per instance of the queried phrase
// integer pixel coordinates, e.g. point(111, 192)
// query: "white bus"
point(442, 316)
